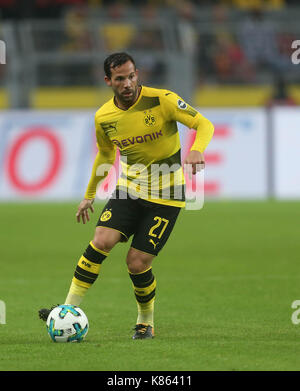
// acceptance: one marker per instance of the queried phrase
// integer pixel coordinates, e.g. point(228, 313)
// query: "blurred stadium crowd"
point(56, 8)
point(218, 42)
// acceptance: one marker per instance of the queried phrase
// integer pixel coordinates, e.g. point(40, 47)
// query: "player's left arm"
point(175, 108)
point(204, 132)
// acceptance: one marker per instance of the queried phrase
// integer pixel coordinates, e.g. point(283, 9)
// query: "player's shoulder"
point(168, 100)
point(171, 102)
point(106, 109)
point(159, 92)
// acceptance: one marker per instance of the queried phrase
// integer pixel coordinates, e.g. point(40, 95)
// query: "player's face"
point(124, 82)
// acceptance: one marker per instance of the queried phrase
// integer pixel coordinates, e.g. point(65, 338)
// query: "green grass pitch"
point(226, 281)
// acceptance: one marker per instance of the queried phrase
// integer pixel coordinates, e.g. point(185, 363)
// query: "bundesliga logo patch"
point(181, 104)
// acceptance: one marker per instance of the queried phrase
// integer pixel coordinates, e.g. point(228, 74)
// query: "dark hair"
point(115, 60)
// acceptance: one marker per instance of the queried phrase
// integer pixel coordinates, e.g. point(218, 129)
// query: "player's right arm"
point(106, 155)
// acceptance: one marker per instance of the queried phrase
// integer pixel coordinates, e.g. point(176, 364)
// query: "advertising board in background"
point(45, 155)
point(286, 152)
point(48, 155)
point(236, 158)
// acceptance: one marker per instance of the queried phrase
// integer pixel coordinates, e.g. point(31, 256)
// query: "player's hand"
point(83, 210)
point(194, 162)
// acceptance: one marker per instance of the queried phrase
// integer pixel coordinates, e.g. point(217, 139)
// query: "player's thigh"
point(120, 215)
point(155, 228)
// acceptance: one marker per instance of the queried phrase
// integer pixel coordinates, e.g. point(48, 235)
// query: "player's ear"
point(107, 81)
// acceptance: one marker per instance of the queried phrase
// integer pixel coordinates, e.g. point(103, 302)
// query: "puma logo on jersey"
point(109, 128)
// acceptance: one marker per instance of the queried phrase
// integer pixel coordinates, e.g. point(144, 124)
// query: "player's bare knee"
point(105, 239)
point(137, 261)
point(136, 267)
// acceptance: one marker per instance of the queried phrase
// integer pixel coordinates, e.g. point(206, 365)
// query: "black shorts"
point(150, 223)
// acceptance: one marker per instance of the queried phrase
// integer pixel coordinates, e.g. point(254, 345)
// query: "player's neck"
point(124, 105)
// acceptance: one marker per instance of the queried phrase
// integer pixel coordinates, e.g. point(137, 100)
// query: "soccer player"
point(142, 123)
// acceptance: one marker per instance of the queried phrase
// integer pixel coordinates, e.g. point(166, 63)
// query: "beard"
point(128, 97)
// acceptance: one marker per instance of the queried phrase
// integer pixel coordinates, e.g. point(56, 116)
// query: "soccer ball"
point(67, 323)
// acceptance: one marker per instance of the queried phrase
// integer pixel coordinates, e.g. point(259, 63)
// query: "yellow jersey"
point(148, 140)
